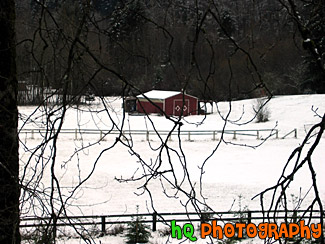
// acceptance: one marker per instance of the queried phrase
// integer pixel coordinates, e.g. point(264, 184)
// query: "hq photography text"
point(250, 230)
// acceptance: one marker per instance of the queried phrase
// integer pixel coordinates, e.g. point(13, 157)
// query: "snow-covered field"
point(233, 170)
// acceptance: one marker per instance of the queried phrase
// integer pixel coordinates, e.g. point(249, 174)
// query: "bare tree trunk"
point(9, 164)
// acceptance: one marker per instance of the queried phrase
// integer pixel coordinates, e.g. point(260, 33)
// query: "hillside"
point(233, 170)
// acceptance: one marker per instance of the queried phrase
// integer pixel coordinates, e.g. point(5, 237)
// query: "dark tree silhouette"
point(9, 166)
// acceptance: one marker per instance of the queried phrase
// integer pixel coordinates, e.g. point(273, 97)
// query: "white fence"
point(152, 135)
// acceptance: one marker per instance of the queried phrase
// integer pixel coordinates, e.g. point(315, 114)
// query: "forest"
point(215, 50)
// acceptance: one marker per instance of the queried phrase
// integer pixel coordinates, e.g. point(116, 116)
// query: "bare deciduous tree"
point(73, 49)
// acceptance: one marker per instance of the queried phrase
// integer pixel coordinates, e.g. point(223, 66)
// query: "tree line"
point(168, 45)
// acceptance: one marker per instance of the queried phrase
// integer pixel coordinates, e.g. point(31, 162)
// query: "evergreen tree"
point(137, 231)
point(312, 28)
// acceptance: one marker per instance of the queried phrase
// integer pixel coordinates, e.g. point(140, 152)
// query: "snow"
point(232, 170)
point(159, 94)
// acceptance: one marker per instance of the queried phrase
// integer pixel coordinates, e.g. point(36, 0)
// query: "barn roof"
point(158, 94)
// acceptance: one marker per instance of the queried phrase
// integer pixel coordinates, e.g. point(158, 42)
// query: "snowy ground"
point(231, 171)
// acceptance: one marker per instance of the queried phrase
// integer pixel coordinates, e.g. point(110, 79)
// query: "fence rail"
point(149, 134)
point(294, 132)
point(290, 216)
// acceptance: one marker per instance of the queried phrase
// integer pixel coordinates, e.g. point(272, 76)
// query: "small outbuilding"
point(130, 104)
point(171, 102)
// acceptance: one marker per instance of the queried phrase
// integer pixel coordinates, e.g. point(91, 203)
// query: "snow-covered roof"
point(158, 94)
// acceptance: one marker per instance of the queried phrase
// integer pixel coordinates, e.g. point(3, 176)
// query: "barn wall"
point(147, 107)
point(178, 99)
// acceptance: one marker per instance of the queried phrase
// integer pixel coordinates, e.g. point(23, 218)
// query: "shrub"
point(40, 235)
point(261, 110)
point(241, 213)
point(116, 230)
point(206, 216)
point(165, 232)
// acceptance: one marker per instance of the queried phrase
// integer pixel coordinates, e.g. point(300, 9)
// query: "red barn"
point(171, 102)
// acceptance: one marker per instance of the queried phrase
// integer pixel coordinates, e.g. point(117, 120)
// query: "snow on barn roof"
point(157, 94)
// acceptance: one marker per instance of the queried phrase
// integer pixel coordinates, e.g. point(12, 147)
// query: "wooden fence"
point(290, 216)
point(151, 134)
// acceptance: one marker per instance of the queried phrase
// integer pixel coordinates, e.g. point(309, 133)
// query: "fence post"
point(295, 133)
point(257, 134)
point(189, 136)
point(214, 135)
point(147, 135)
point(32, 136)
point(277, 134)
point(100, 135)
point(154, 221)
point(294, 217)
point(249, 217)
point(234, 135)
point(103, 225)
point(75, 134)
point(54, 231)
